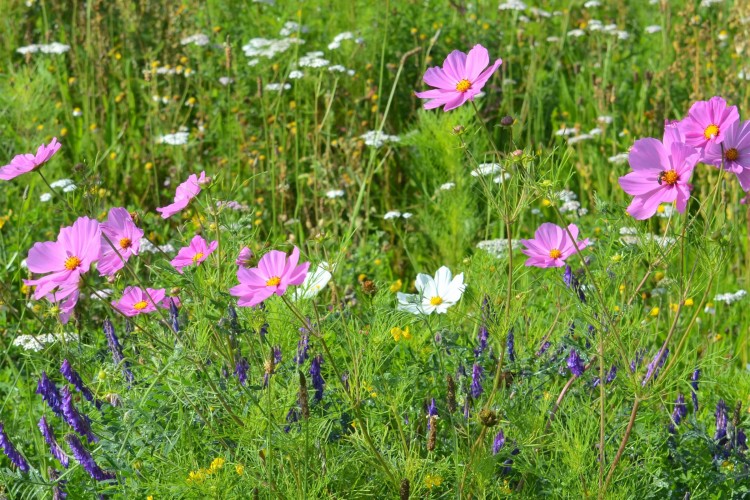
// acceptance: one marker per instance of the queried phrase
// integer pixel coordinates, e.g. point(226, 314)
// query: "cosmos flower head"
point(707, 122)
point(460, 79)
point(551, 245)
point(734, 153)
point(193, 254)
point(184, 193)
point(434, 294)
point(135, 301)
point(315, 281)
point(123, 235)
point(660, 175)
point(24, 163)
point(274, 274)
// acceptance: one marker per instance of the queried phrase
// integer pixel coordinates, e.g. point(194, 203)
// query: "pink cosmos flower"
point(735, 153)
point(707, 122)
point(551, 245)
point(135, 301)
point(272, 276)
point(76, 248)
point(659, 176)
point(124, 235)
point(25, 163)
point(460, 79)
point(185, 192)
point(193, 254)
point(244, 257)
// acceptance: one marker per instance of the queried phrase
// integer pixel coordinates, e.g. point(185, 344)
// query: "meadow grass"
point(322, 151)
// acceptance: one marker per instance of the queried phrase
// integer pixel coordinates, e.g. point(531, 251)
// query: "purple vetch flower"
point(263, 329)
point(78, 422)
point(317, 379)
point(511, 343)
point(655, 365)
point(477, 372)
point(741, 440)
point(721, 421)
point(292, 417)
point(345, 380)
point(302, 345)
point(611, 375)
point(498, 442)
point(467, 407)
point(174, 315)
point(74, 378)
point(11, 451)
point(694, 388)
point(637, 361)
point(543, 348)
point(575, 363)
point(482, 338)
point(116, 349)
point(58, 493)
point(571, 281)
point(241, 368)
point(54, 448)
point(431, 411)
point(509, 462)
point(679, 412)
point(84, 458)
point(234, 323)
point(277, 355)
point(50, 394)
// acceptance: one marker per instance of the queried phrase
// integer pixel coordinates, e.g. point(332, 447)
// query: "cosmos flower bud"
point(11, 452)
point(488, 418)
point(506, 121)
point(403, 492)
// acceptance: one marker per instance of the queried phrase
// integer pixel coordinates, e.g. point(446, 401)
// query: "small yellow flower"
point(546, 202)
point(150, 497)
point(240, 469)
point(112, 155)
point(659, 276)
point(622, 288)
point(688, 302)
point(217, 464)
point(654, 312)
point(399, 334)
point(674, 307)
point(396, 286)
point(432, 481)
point(617, 308)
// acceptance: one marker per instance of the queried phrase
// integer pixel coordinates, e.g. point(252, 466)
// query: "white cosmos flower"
point(314, 282)
point(435, 294)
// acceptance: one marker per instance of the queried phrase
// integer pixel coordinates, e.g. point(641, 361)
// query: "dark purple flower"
point(72, 376)
point(12, 452)
point(431, 411)
point(482, 338)
point(54, 448)
point(498, 442)
point(50, 394)
point(263, 329)
point(174, 315)
point(655, 365)
point(58, 493)
point(345, 380)
point(679, 412)
point(277, 355)
point(721, 421)
point(741, 440)
point(234, 323)
point(694, 388)
point(611, 375)
point(241, 368)
point(511, 343)
point(575, 363)
point(84, 458)
point(78, 422)
point(317, 378)
point(467, 407)
point(476, 380)
point(543, 348)
point(116, 349)
point(509, 462)
point(302, 346)
point(571, 281)
point(291, 417)
point(637, 361)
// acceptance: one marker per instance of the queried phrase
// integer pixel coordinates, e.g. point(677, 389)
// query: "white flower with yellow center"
point(315, 281)
point(434, 294)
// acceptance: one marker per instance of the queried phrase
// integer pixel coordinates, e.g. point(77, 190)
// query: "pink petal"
point(476, 60)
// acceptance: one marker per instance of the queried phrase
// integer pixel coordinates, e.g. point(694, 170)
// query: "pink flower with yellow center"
point(21, 164)
point(707, 122)
point(135, 301)
point(275, 272)
point(193, 254)
point(121, 239)
point(734, 153)
point(459, 80)
point(184, 193)
point(552, 245)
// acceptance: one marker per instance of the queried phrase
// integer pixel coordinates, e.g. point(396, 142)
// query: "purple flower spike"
point(317, 379)
point(511, 343)
point(694, 388)
point(721, 421)
point(241, 368)
point(476, 381)
point(498, 442)
point(84, 458)
point(302, 346)
point(116, 349)
point(58, 493)
point(78, 422)
point(54, 448)
point(431, 411)
point(679, 412)
point(12, 452)
point(50, 394)
point(74, 378)
point(575, 363)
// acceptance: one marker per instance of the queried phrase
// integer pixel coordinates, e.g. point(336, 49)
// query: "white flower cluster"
point(512, 5)
point(176, 139)
point(52, 48)
point(395, 214)
point(498, 247)
point(377, 138)
point(66, 185)
point(290, 28)
point(596, 25)
point(335, 193)
point(629, 236)
point(277, 87)
point(346, 35)
point(262, 47)
point(570, 203)
point(584, 137)
point(37, 342)
point(730, 298)
point(619, 158)
point(313, 60)
point(148, 247)
point(198, 39)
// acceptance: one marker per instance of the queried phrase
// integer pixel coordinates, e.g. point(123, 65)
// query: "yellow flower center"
point(463, 85)
point(731, 154)
point(72, 262)
point(197, 257)
point(273, 281)
point(711, 131)
point(436, 300)
point(670, 177)
point(555, 253)
point(125, 243)
point(140, 305)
